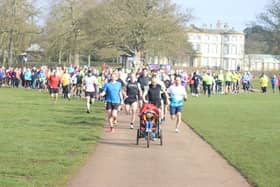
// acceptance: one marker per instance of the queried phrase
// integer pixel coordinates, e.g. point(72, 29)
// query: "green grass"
point(43, 144)
point(245, 129)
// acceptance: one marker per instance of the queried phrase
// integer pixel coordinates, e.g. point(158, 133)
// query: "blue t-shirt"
point(113, 92)
point(273, 81)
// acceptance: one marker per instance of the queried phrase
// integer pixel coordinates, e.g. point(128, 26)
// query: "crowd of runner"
point(131, 90)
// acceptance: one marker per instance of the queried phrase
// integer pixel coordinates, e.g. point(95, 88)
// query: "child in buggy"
point(149, 124)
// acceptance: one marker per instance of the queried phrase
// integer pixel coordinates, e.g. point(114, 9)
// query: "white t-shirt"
point(90, 83)
point(177, 94)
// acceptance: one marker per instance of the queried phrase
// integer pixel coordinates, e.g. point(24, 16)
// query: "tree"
point(269, 28)
point(63, 35)
point(17, 26)
point(256, 40)
point(138, 27)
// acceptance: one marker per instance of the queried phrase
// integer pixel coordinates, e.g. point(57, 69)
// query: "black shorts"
point(91, 94)
point(228, 83)
point(54, 90)
point(130, 101)
point(164, 98)
point(156, 103)
point(263, 89)
point(112, 106)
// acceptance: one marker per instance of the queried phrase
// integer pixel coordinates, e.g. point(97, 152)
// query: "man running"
point(53, 83)
point(90, 83)
point(177, 94)
point(65, 81)
point(153, 94)
point(143, 80)
point(112, 90)
point(133, 92)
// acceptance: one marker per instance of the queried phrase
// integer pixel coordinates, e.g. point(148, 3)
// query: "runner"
point(53, 84)
point(177, 94)
point(90, 83)
point(264, 83)
point(112, 90)
point(143, 80)
point(274, 83)
point(278, 82)
point(228, 82)
point(65, 81)
point(153, 94)
point(132, 93)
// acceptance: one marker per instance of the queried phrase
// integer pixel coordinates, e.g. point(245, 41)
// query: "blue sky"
point(237, 13)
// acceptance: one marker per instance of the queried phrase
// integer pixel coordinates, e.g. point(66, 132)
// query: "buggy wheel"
point(161, 137)
point(148, 139)
point(138, 136)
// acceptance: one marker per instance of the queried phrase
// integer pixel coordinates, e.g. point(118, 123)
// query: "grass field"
point(43, 144)
point(245, 129)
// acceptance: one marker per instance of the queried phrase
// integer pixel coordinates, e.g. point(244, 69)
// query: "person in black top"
point(143, 80)
point(132, 93)
point(196, 82)
point(153, 94)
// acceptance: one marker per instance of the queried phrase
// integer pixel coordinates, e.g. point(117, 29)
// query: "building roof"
point(214, 30)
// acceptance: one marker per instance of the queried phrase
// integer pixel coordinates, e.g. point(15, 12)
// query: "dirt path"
point(184, 160)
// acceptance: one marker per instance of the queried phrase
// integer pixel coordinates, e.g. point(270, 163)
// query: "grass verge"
point(245, 129)
point(43, 144)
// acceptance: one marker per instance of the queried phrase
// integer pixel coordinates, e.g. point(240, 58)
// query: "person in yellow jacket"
point(220, 82)
point(264, 83)
point(65, 81)
point(228, 81)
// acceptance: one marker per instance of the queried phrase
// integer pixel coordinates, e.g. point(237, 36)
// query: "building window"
point(207, 50)
point(226, 38)
point(214, 48)
point(206, 62)
point(234, 39)
point(215, 38)
point(233, 50)
point(226, 49)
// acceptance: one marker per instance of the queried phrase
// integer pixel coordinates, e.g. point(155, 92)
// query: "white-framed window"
point(206, 62)
point(234, 38)
point(206, 48)
point(226, 63)
point(234, 50)
point(226, 49)
point(214, 48)
point(215, 38)
point(226, 38)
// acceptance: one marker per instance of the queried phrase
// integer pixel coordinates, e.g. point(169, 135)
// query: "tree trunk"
point(59, 57)
point(137, 59)
point(76, 59)
point(10, 50)
point(89, 60)
point(70, 58)
point(3, 57)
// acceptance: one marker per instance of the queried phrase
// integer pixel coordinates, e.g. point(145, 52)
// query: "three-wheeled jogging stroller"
point(149, 124)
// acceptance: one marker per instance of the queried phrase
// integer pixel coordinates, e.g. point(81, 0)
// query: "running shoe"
point(177, 130)
point(112, 130)
point(131, 126)
point(88, 111)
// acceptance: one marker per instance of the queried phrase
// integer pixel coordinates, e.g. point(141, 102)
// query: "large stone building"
point(218, 47)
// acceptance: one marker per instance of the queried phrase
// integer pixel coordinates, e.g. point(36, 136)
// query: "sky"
point(237, 13)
